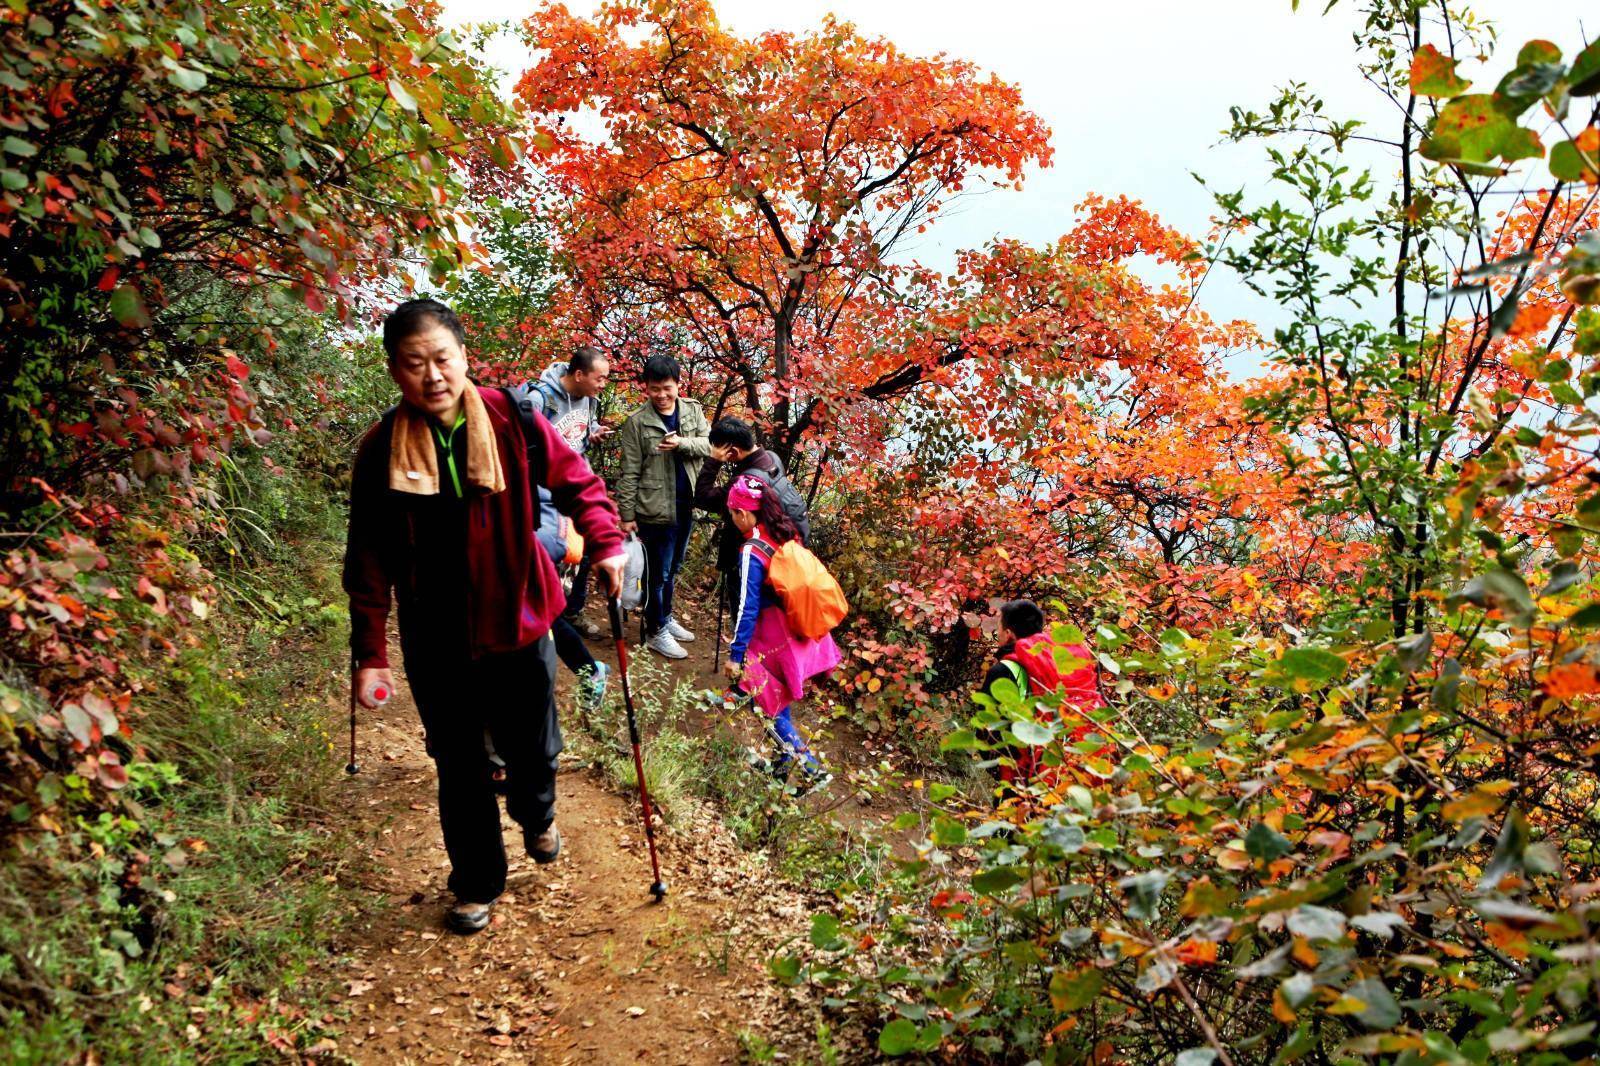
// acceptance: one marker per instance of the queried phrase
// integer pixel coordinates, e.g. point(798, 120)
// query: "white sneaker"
point(680, 634)
point(665, 645)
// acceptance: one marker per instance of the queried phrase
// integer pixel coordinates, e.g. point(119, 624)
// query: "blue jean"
point(580, 591)
point(788, 743)
point(664, 548)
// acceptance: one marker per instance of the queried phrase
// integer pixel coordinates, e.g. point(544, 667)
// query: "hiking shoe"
point(546, 846)
point(465, 918)
point(665, 645)
point(679, 633)
point(592, 689)
point(588, 629)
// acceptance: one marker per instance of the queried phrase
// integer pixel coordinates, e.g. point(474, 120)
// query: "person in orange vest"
point(1027, 658)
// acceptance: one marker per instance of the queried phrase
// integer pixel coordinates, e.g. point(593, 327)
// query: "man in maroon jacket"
point(442, 513)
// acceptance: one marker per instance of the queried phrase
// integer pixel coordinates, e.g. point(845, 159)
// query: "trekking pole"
point(351, 767)
point(658, 888)
point(722, 599)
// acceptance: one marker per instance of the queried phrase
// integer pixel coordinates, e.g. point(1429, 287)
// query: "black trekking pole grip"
point(658, 887)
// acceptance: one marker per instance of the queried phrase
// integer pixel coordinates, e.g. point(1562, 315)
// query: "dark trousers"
point(664, 548)
point(579, 594)
point(512, 697)
point(570, 647)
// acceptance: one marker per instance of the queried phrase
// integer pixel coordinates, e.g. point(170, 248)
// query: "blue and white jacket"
point(755, 595)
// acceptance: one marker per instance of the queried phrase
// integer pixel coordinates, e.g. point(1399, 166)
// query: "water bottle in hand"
point(376, 693)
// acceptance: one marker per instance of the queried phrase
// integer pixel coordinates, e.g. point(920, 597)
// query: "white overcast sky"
point(1135, 92)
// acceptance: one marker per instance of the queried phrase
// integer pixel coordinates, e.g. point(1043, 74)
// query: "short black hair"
point(662, 368)
point(734, 431)
point(1022, 617)
point(414, 316)
point(584, 359)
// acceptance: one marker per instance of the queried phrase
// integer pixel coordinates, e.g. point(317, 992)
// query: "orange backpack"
point(812, 600)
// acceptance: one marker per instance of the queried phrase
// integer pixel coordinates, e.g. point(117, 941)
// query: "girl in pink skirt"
point(769, 660)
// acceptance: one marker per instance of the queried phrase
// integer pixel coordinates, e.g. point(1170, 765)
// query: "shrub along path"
point(578, 965)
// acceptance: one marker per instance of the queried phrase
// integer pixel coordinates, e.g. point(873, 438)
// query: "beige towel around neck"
point(414, 460)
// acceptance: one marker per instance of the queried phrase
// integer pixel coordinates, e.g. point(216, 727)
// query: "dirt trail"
point(578, 965)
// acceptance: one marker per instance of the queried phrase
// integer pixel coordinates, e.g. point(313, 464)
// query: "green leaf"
point(995, 881)
point(1584, 77)
point(785, 968)
point(947, 832)
point(1563, 576)
point(1538, 51)
point(1586, 331)
point(1297, 989)
point(940, 791)
point(127, 307)
point(1562, 392)
point(1266, 843)
point(1499, 588)
point(222, 197)
point(1529, 81)
point(1379, 1009)
point(1434, 74)
point(961, 740)
point(13, 180)
point(401, 96)
point(1073, 990)
point(18, 146)
point(1144, 893)
point(1568, 540)
point(1472, 130)
point(1509, 848)
point(1316, 666)
point(188, 79)
point(1031, 733)
point(1568, 163)
point(1414, 651)
point(1586, 617)
point(825, 932)
point(1316, 923)
point(898, 1037)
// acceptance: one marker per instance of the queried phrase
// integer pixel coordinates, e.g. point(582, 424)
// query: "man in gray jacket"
point(569, 394)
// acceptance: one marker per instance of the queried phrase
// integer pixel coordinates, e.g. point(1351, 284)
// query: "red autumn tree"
point(748, 195)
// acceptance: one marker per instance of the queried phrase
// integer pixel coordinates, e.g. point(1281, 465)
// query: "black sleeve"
point(707, 495)
point(998, 672)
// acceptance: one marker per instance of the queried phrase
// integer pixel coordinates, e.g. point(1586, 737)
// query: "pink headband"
point(745, 494)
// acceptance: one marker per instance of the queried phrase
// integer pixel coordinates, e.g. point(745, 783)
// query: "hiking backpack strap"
point(528, 414)
point(1018, 674)
point(544, 389)
point(767, 551)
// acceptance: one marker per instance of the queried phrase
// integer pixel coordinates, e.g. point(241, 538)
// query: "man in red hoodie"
point(443, 511)
point(1027, 659)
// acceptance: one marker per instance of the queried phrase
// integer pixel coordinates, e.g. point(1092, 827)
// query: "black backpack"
point(794, 504)
point(528, 410)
